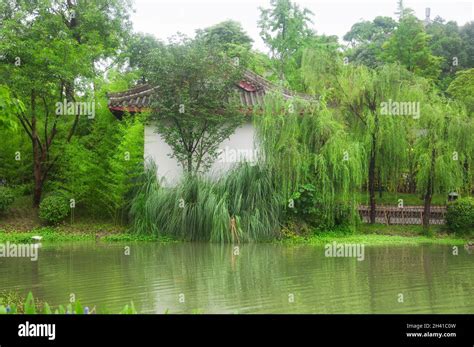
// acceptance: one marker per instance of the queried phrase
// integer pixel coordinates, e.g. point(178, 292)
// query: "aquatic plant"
point(13, 303)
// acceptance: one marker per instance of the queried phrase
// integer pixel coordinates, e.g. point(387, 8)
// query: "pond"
point(253, 278)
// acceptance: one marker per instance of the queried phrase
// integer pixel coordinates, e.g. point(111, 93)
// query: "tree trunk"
point(190, 164)
point(429, 192)
point(372, 182)
point(379, 181)
point(37, 171)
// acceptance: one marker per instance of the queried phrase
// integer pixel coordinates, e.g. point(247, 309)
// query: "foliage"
point(460, 216)
point(125, 166)
point(284, 27)
point(379, 235)
point(6, 199)
point(441, 150)
point(409, 45)
point(51, 51)
point(321, 63)
point(12, 303)
point(226, 35)
point(195, 107)
point(9, 108)
point(98, 170)
point(446, 42)
point(138, 49)
point(467, 34)
point(241, 207)
point(386, 137)
point(85, 231)
point(53, 209)
point(306, 145)
point(462, 88)
point(367, 38)
point(306, 207)
point(335, 147)
point(253, 199)
point(303, 202)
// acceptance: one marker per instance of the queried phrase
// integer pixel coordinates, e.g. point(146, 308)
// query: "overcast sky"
point(164, 18)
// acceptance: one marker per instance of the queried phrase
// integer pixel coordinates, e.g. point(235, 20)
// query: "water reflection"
point(253, 278)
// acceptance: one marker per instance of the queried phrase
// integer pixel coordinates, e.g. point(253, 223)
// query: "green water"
point(262, 278)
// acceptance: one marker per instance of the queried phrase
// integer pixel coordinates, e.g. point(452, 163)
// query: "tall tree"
point(195, 104)
point(51, 49)
point(365, 97)
point(366, 39)
point(446, 42)
point(441, 147)
point(304, 143)
point(284, 27)
point(138, 49)
point(409, 46)
point(226, 35)
point(462, 88)
point(467, 34)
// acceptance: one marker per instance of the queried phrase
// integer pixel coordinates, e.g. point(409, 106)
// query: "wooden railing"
point(403, 215)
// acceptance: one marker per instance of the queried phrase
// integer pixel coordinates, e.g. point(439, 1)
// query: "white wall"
point(240, 146)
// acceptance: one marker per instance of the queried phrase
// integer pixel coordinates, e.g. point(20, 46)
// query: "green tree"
point(138, 49)
point(305, 145)
point(446, 42)
point(226, 35)
point(467, 34)
point(365, 94)
point(409, 46)
point(441, 147)
point(320, 66)
point(366, 39)
point(284, 27)
point(51, 50)
point(462, 88)
point(195, 105)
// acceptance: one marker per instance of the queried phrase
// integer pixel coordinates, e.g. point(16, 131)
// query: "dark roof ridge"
point(252, 89)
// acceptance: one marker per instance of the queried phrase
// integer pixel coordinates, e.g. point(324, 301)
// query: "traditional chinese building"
point(242, 145)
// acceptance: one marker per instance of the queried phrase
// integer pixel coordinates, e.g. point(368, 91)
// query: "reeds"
point(243, 206)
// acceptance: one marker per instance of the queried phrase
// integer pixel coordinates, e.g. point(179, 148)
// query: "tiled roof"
point(252, 89)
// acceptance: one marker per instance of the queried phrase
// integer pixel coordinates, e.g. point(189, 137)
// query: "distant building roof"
point(252, 90)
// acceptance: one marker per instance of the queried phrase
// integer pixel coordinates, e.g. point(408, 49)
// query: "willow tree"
point(380, 106)
point(303, 143)
point(443, 144)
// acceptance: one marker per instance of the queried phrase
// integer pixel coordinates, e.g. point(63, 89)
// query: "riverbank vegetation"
point(13, 303)
point(386, 119)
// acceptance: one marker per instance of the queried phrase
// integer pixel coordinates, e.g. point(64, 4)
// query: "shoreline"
point(376, 234)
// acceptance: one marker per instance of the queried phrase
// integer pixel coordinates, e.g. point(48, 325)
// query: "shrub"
point(6, 199)
point(460, 216)
point(304, 203)
point(309, 211)
point(53, 209)
point(309, 208)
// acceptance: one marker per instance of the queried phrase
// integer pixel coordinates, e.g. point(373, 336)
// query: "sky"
point(164, 18)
